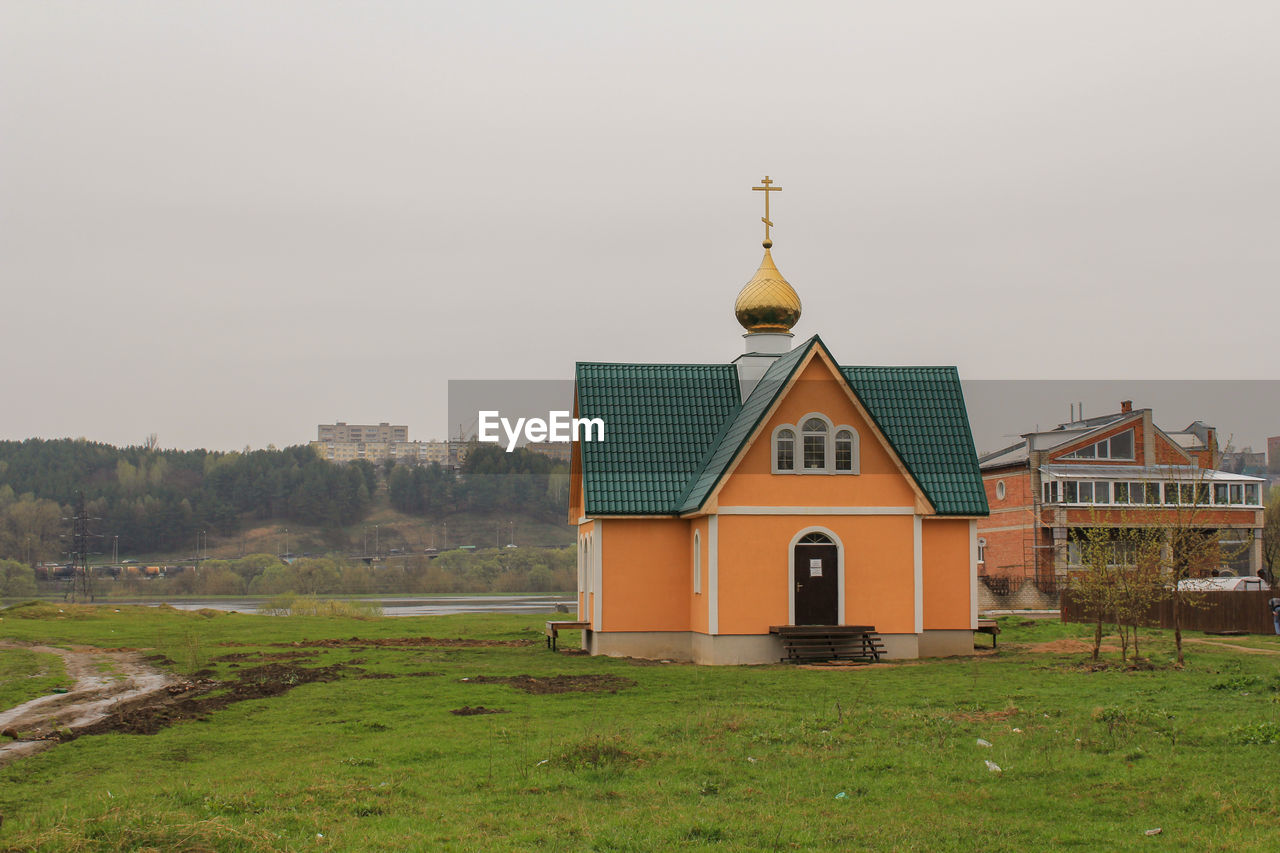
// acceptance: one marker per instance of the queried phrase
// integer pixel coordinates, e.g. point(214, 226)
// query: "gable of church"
point(808, 416)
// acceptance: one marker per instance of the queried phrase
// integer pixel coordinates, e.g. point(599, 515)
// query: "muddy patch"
point(195, 700)
point(468, 711)
point(557, 683)
point(406, 643)
point(127, 681)
point(395, 674)
point(264, 656)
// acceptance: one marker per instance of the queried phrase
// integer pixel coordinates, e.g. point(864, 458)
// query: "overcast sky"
point(226, 222)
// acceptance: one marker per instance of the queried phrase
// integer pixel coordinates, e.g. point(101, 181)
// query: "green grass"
point(26, 675)
point(689, 758)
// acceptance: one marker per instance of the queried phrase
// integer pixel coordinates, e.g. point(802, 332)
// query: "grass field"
point(601, 754)
point(25, 674)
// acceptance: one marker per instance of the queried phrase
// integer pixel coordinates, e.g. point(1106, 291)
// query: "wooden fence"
point(1216, 612)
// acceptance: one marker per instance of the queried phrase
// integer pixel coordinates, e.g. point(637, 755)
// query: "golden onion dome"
point(767, 303)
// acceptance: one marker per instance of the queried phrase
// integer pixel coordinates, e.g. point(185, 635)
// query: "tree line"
point(491, 479)
point(158, 500)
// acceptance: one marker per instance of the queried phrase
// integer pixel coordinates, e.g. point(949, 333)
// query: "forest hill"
point(159, 500)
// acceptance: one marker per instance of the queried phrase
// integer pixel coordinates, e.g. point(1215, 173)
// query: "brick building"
point(1118, 470)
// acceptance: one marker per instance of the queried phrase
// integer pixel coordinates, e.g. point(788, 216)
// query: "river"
point(392, 605)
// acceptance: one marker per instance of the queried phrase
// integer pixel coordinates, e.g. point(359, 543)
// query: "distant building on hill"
point(1273, 454)
point(342, 431)
point(559, 451)
point(343, 442)
point(1245, 461)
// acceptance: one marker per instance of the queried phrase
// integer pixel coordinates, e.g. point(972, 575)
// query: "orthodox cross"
point(766, 189)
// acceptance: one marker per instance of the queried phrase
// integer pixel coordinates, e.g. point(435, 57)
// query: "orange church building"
point(782, 489)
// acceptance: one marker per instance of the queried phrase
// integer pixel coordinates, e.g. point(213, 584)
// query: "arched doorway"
point(815, 576)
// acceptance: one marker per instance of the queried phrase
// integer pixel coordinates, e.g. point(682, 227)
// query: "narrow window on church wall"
point(786, 450)
point(844, 450)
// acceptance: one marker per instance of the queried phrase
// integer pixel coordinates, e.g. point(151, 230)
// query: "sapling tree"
point(1094, 585)
point(1192, 545)
point(1271, 534)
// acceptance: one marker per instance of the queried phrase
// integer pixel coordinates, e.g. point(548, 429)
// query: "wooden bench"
point(988, 626)
point(554, 628)
point(820, 643)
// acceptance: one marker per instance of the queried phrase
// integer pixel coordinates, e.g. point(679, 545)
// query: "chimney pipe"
point(1126, 406)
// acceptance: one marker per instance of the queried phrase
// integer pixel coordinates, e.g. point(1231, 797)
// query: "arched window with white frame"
point(846, 450)
point(824, 448)
point(815, 434)
point(784, 450)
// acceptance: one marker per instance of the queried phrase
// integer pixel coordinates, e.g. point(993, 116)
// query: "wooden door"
point(817, 586)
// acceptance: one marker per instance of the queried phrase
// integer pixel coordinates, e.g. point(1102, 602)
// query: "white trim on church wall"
point(713, 575)
point(697, 563)
point(973, 574)
point(597, 559)
point(582, 556)
point(817, 510)
point(791, 571)
point(917, 549)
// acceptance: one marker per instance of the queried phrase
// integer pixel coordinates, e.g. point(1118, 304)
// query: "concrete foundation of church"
point(941, 644)
point(733, 649)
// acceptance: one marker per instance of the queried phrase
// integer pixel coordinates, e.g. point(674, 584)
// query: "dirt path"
point(1246, 649)
point(106, 681)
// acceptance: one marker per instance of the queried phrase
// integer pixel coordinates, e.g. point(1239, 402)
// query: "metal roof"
point(674, 430)
point(1152, 472)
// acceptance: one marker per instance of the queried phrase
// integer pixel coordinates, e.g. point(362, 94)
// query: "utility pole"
point(82, 573)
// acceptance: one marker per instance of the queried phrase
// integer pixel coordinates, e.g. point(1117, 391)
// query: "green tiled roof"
point(921, 411)
point(661, 420)
point(740, 427)
point(673, 430)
